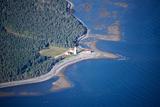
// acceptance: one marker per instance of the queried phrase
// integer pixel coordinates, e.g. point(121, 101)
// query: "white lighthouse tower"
point(75, 50)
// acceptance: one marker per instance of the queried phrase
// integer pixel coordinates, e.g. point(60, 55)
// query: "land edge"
point(34, 80)
point(59, 67)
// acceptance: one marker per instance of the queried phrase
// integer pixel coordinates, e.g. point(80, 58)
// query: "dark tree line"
point(27, 26)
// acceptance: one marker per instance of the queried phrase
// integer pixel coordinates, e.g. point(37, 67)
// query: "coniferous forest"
point(28, 26)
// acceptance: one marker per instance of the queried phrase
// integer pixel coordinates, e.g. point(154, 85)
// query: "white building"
point(75, 51)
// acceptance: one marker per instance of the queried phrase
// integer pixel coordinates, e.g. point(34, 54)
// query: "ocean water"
point(131, 82)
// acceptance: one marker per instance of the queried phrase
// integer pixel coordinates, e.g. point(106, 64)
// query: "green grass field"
point(53, 51)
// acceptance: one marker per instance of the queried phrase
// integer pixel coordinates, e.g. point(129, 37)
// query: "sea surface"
point(133, 81)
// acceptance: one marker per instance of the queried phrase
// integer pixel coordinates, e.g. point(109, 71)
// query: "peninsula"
point(65, 56)
point(58, 68)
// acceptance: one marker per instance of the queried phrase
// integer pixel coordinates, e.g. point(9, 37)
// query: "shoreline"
point(59, 67)
point(44, 77)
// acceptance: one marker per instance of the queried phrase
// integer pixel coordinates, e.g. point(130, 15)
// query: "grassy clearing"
point(53, 51)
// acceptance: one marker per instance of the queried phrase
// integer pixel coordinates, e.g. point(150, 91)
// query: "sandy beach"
point(60, 66)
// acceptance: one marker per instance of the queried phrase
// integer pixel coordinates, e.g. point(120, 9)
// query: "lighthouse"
point(75, 50)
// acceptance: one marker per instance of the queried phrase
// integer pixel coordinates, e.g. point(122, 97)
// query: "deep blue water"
point(134, 82)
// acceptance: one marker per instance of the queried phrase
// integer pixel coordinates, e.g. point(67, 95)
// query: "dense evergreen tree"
point(27, 26)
